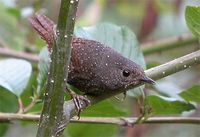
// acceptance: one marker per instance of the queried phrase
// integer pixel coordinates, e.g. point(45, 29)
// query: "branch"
point(22, 55)
point(168, 43)
point(106, 120)
point(132, 120)
point(52, 116)
point(174, 66)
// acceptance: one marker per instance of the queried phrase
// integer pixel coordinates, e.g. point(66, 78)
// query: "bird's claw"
point(78, 102)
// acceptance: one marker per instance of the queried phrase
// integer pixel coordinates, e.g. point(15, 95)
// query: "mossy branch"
point(52, 115)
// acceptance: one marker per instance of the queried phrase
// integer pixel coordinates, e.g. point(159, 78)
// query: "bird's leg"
point(78, 99)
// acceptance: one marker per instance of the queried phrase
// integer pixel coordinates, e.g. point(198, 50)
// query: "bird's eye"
point(126, 73)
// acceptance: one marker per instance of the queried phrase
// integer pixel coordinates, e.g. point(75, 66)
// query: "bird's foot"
point(79, 101)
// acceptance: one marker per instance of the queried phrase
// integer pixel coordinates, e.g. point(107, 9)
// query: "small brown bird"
point(98, 69)
point(94, 68)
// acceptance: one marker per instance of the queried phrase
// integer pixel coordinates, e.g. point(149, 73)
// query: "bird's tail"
point(45, 27)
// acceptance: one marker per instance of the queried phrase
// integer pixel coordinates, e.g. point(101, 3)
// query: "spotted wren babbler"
point(94, 67)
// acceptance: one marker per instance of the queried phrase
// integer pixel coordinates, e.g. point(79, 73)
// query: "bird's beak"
point(148, 80)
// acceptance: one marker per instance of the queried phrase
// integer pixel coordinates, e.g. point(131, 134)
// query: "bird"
point(94, 67)
point(98, 69)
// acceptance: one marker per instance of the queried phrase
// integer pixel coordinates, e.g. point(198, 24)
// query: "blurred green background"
point(149, 19)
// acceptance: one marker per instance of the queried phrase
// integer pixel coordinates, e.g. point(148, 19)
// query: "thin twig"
point(168, 43)
point(21, 106)
point(31, 105)
point(131, 120)
point(5, 52)
point(105, 120)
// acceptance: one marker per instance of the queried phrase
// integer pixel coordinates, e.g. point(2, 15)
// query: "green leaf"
point(30, 89)
point(8, 101)
point(92, 130)
point(192, 17)
point(8, 104)
point(43, 67)
point(119, 38)
point(192, 94)
point(14, 75)
point(108, 110)
point(14, 11)
point(3, 129)
point(167, 106)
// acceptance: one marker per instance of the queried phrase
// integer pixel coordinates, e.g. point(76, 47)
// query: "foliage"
point(192, 16)
point(43, 67)
point(8, 103)
point(192, 94)
point(91, 130)
point(167, 106)
point(16, 74)
point(10, 32)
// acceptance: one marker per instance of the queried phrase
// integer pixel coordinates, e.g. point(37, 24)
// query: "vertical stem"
point(52, 114)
